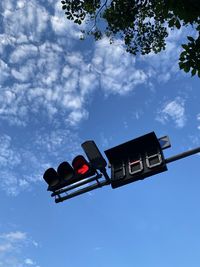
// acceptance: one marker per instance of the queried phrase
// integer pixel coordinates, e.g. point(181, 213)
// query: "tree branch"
point(97, 14)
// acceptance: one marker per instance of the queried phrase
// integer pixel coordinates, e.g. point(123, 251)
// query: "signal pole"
point(183, 155)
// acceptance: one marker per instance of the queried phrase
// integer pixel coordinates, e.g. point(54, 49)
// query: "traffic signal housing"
point(135, 160)
point(67, 175)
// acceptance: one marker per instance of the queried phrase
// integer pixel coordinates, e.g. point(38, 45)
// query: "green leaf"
point(194, 71)
point(185, 46)
point(178, 25)
point(181, 65)
point(171, 22)
point(170, 15)
point(190, 38)
point(183, 56)
point(187, 68)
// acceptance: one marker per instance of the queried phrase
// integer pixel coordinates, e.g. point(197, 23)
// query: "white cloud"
point(58, 142)
point(14, 236)
point(5, 247)
point(8, 155)
point(116, 68)
point(12, 246)
point(31, 19)
point(12, 158)
point(4, 74)
point(198, 119)
point(23, 53)
point(163, 66)
point(45, 81)
point(173, 110)
point(76, 116)
point(29, 261)
point(43, 75)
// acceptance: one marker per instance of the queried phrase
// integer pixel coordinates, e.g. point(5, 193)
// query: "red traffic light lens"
point(51, 177)
point(80, 165)
point(83, 170)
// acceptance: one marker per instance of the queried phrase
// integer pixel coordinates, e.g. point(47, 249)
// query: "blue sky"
point(58, 91)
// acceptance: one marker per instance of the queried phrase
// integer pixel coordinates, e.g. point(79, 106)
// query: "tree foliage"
point(141, 24)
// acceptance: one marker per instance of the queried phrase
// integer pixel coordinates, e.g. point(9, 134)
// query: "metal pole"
point(81, 191)
point(80, 183)
point(183, 155)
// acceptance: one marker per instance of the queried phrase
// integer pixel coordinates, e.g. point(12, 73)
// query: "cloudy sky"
point(56, 92)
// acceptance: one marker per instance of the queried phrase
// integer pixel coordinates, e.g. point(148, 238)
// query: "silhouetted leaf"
point(194, 72)
point(185, 46)
point(178, 24)
point(187, 67)
point(171, 23)
point(181, 65)
point(190, 38)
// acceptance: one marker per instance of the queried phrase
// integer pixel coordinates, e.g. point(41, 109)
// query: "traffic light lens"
point(80, 165)
point(84, 169)
point(51, 177)
point(65, 171)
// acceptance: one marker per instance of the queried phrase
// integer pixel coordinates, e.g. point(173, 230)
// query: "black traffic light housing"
point(67, 174)
point(79, 177)
point(135, 160)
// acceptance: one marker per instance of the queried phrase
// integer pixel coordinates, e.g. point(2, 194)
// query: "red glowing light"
point(83, 169)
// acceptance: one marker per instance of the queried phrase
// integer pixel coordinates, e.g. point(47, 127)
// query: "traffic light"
point(131, 161)
point(67, 175)
point(135, 160)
